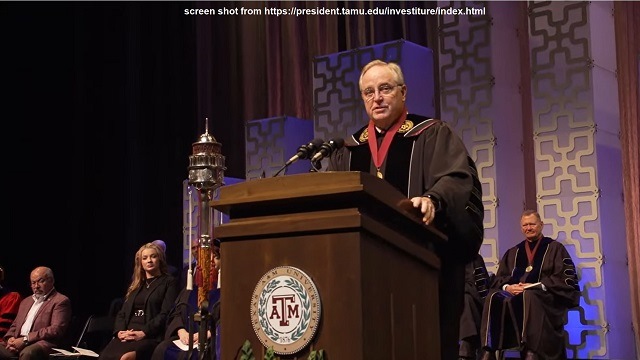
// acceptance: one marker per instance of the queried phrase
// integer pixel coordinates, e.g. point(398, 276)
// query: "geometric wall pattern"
point(567, 193)
point(271, 142)
point(467, 104)
point(572, 72)
point(575, 142)
point(565, 156)
point(190, 219)
point(191, 216)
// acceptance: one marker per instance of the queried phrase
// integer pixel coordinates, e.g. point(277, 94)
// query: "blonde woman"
point(140, 324)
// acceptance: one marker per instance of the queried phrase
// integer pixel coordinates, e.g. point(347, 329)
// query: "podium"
point(360, 241)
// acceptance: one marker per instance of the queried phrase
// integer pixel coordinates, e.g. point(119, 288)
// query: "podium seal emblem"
point(285, 310)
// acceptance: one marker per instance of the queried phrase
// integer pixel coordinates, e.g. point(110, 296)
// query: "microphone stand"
point(281, 169)
point(304, 152)
point(215, 330)
point(186, 313)
point(315, 166)
point(203, 317)
point(191, 318)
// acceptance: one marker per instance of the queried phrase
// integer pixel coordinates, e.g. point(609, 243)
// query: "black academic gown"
point(426, 157)
point(181, 317)
point(476, 288)
point(534, 319)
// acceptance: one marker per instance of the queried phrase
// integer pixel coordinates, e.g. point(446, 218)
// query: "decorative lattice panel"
point(466, 96)
point(565, 157)
point(191, 215)
point(271, 142)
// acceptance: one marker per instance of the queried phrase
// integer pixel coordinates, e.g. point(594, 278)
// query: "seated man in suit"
point(476, 288)
point(535, 285)
point(41, 322)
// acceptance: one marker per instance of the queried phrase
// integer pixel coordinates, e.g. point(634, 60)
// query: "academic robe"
point(426, 157)
point(9, 303)
point(181, 317)
point(476, 288)
point(534, 319)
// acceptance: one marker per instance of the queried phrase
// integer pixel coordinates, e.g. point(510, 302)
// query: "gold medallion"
point(528, 268)
point(379, 174)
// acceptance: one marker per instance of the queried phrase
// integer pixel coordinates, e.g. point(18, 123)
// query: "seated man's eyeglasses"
point(39, 281)
point(384, 89)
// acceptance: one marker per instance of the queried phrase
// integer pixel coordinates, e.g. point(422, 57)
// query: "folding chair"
point(97, 332)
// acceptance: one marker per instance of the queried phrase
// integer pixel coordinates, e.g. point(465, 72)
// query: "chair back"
point(115, 306)
point(97, 332)
point(71, 333)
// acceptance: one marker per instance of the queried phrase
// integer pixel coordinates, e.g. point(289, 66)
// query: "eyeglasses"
point(384, 89)
point(39, 281)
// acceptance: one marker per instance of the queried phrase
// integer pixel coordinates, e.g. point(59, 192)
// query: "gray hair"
point(395, 68)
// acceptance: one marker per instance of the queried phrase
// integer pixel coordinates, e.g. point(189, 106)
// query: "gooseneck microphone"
point(306, 151)
point(327, 149)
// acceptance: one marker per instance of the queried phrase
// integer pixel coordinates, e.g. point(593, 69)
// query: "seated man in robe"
point(535, 285)
point(183, 335)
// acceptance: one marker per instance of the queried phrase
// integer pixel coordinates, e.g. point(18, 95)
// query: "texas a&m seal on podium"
point(285, 310)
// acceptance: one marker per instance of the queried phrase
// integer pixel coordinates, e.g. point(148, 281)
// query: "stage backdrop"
point(534, 99)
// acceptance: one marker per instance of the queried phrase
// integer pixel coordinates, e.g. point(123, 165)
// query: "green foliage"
point(270, 355)
point(316, 355)
point(247, 351)
point(262, 312)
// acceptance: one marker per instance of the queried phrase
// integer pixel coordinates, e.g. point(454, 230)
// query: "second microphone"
point(328, 148)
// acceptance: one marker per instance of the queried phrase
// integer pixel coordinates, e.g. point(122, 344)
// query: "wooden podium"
point(363, 245)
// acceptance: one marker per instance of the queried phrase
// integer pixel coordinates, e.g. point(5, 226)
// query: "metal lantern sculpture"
point(206, 174)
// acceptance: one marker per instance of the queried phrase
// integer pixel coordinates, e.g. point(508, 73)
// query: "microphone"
point(327, 149)
point(305, 151)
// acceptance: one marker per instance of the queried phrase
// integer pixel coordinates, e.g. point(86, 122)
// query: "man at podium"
point(425, 160)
